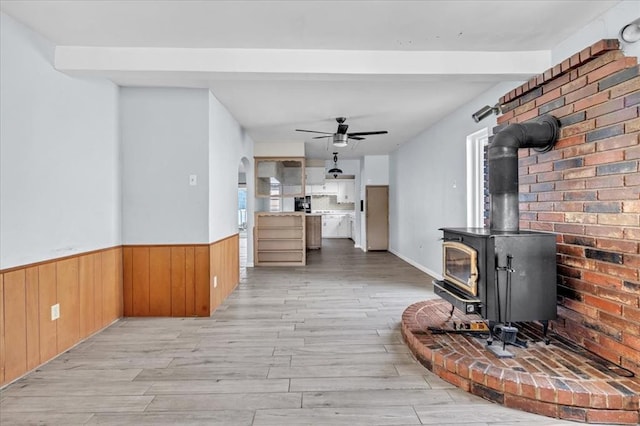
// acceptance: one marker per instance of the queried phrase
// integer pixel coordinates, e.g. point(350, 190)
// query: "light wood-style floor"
point(314, 345)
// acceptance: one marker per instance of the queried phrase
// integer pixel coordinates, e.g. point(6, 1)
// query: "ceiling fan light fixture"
point(340, 140)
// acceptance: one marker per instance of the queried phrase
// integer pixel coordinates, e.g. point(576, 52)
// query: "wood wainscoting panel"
point(15, 333)
point(160, 281)
point(178, 282)
point(98, 293)
point(69, 300)
point(32, 310)
point(111, 285)
point(202, 281)
point(225, 268)
point(168, 280)
point(140, 282)
point(190, 281)
point(127, 280)
point(48, 296)
point(87, 288)
point(2, 363)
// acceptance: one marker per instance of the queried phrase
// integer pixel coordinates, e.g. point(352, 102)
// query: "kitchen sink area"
point(337, 223)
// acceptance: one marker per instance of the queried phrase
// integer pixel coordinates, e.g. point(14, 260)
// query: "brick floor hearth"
point(554, 380)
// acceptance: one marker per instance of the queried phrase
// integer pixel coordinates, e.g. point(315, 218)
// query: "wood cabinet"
point(279, 239)
point(314, 231)
point(279, 177)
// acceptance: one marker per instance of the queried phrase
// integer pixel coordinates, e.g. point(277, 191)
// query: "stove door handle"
point(458, 239)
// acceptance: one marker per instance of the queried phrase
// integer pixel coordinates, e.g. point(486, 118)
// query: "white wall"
point(228, 145)
point(427, 183)
point(279, 149)
point(376, 170)
point(606, 26)
point(59, 155)
point(165, 138)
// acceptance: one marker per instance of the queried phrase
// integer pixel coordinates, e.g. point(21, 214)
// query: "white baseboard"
point(417, 265)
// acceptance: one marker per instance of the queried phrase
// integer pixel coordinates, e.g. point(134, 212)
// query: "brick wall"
point(587, 191)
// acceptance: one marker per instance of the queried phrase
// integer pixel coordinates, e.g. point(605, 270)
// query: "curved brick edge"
point(583, 401)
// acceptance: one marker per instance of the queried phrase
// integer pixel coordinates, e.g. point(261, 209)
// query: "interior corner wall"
point(427, 183)
point(165, 138)
point(228, 145)
point(59, 153)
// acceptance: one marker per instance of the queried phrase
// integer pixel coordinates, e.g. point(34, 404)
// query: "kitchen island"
point(279, 239)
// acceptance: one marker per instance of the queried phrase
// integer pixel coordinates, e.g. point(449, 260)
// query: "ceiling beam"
point(301, 64)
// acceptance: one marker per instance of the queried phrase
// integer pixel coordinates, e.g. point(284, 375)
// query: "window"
point(476, 178)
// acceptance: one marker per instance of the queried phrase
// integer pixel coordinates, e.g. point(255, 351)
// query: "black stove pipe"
point(503, 167)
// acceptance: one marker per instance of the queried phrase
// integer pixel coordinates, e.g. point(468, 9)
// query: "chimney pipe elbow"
point(503, 166)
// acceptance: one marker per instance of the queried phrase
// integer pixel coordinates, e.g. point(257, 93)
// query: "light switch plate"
point(193, 180)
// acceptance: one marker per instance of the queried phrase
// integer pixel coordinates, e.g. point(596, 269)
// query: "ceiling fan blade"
point(342, 128)
point(313, 131)
point(322, 137)
point(357, 138)
point(379, 132)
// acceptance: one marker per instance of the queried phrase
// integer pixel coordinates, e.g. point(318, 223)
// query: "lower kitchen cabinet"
point(314, 231)
point(336, 226)
point(279, 239)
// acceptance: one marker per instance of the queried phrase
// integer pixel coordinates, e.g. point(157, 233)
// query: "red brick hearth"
point(552, 380)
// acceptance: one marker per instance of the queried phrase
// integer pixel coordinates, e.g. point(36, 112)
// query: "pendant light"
point(335, 171)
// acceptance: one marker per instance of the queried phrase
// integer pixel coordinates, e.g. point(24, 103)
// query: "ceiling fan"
point(340, 137)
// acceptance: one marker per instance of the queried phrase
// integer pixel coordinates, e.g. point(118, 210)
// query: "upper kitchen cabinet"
point(346, 191)
point(279, 177)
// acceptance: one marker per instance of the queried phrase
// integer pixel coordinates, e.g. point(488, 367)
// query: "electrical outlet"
point(55, 312)
point(215, 281)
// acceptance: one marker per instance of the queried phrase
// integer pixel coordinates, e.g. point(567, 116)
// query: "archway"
point(243, 216)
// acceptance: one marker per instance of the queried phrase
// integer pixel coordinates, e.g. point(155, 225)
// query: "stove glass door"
point(460, 266)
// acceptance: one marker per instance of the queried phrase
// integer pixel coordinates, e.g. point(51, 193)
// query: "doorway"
point(377, 217)
point(242, 218)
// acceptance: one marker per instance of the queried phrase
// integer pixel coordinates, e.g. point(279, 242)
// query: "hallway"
point(314, 345)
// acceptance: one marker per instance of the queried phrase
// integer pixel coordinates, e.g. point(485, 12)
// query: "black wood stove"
point(503, 277)
point(502, 273)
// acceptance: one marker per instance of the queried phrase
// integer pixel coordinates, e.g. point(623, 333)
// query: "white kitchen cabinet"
point(330, 223)
point(330, 187)
point(346, 191)
point(336, 226)
point(352, 222)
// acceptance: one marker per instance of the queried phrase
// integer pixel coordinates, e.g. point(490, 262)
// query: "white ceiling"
point(385, 65)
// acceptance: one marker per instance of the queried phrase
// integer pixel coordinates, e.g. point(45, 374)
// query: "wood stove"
point(503, 277)
point(502, 273)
